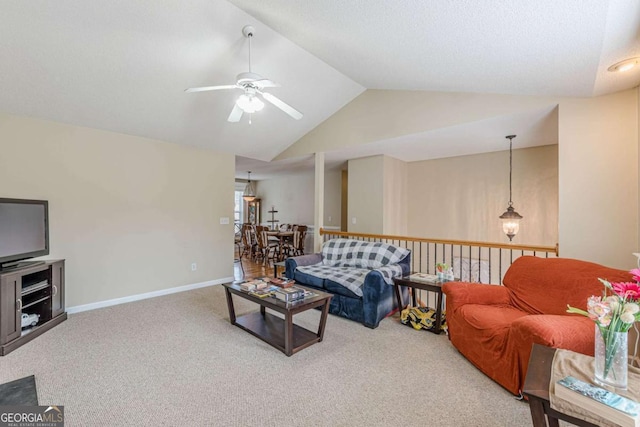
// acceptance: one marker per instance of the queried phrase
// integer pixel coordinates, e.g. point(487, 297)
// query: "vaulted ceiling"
point(123, 65)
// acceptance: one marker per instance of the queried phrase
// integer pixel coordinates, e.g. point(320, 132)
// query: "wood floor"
point(253, 269)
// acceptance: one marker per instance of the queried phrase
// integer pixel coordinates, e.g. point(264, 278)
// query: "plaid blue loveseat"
point(359, 275)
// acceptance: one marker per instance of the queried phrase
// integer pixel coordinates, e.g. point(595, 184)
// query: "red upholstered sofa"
point(494, 326)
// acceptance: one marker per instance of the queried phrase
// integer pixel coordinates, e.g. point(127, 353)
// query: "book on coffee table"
point(289, 294)
point(263, 293)
point(282, 283)
point(604, 403)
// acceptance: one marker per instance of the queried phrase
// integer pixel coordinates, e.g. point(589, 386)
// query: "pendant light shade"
point(510, 218)
point(510, 222)
point(249, 193)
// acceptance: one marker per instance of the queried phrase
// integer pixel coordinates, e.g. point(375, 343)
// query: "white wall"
point(128, 214)
point(292, 195)
point(462, 197)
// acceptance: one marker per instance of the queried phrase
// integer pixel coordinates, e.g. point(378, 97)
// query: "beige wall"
point(377, 115)
point(377, 194)
point(395, 202)
point(462, 197)
point(293, 197)
point(128, 214)
point(332, 198)
point(599, 178)
point(365, 195)
point(598, 160)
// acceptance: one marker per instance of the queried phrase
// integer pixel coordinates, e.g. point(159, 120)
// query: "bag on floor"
point(421, 318)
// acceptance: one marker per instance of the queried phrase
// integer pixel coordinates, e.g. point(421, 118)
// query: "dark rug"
point(19, 392)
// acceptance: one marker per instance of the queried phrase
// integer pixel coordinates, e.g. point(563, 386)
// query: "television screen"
point(23, 229)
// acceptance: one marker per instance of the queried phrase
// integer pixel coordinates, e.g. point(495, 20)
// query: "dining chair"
point(295, 247)
point(267, 249)
point(299, 237)
point(246, 243)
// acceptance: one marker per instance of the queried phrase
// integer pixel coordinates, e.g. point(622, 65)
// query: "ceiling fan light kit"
point(252, 84)
point(249, 103)
point(625, 65)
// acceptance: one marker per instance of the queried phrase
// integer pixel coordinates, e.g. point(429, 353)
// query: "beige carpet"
point(176, 361)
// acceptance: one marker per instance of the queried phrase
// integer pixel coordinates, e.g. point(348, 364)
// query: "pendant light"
point(249, 193)
point(510, 218)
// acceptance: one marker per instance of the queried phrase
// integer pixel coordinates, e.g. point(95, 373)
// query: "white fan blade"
point(265, 83)
point(282, 105)
point(236, 114)
point(206, 88)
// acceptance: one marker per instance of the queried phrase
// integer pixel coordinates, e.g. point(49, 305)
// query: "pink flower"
point(636, 274)
point(628, 290)
point(598, 309)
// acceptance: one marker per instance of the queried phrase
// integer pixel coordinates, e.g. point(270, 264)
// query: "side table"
point(431, 287)
point(536, 388)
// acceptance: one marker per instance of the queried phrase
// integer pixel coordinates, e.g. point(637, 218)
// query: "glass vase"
point(611, 358)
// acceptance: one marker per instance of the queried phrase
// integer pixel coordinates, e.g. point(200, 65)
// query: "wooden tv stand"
point(35, 289)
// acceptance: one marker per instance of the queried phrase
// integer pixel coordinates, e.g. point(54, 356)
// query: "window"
point(238, 210)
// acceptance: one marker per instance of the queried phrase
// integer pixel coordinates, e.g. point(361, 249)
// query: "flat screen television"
point(24, 230)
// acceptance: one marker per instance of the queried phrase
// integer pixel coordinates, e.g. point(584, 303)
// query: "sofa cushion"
point(547, 285)
point(339, 289)
point(308, 279)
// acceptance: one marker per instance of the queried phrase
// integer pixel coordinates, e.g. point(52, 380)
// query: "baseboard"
point(138, 297)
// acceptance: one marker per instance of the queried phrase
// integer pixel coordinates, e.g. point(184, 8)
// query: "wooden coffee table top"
point(277, 305)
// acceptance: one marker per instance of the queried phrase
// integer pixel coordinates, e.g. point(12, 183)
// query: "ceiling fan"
point(252, 85)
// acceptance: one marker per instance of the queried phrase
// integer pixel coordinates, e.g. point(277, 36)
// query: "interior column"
point(318, 216)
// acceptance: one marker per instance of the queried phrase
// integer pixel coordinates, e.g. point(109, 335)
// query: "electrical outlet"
point(329, 218)
point(224, 220)
point(194, 266)
point(353, 220)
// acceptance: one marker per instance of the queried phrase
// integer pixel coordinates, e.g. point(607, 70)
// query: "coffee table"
point(280, 333)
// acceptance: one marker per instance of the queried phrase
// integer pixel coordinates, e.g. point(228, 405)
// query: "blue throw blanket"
point(347, 262)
